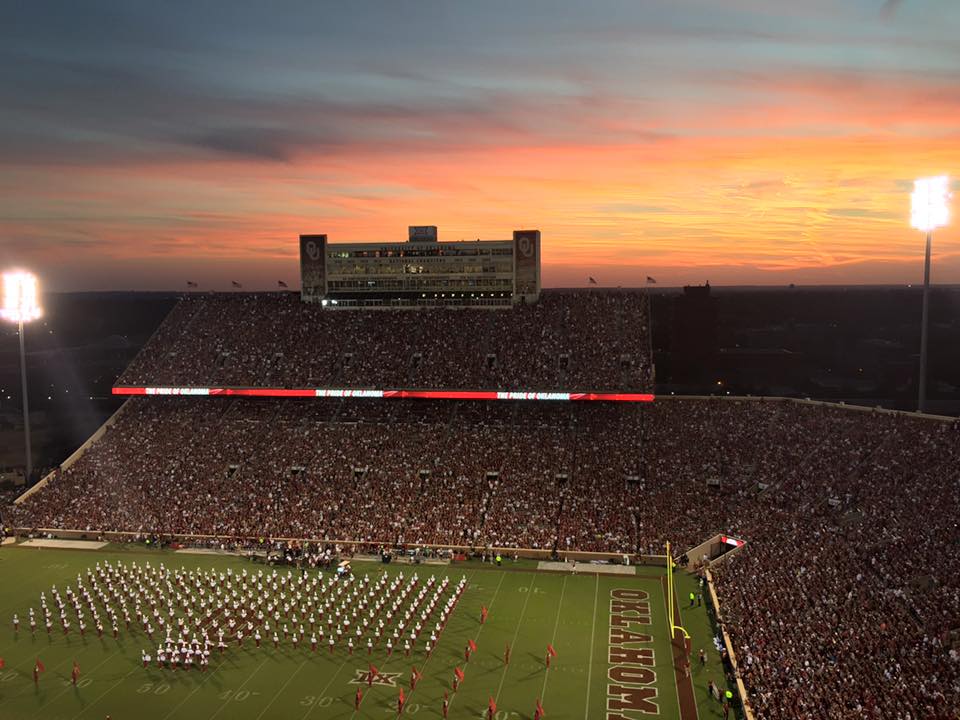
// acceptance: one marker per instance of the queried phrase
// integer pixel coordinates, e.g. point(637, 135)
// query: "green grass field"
point(527, 609)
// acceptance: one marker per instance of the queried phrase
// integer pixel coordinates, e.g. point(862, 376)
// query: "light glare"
point(928, 203)
point(20, 297)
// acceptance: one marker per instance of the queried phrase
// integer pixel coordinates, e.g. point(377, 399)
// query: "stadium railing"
point(660, 398)
point(741, 688)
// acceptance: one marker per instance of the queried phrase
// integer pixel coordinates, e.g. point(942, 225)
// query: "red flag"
point(2, 663)
point(540, 707)
point(553, 653)
point(403, 698)
point(373, 670)
point(459, 673)
point(473, 645)
point(492, 705)
point(39, 666)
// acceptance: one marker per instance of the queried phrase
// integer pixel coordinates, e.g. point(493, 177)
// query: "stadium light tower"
point(21, 305)
point(928, 211)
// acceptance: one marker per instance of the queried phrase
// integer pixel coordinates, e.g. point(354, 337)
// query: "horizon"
point(652, 287)
point(751, 145)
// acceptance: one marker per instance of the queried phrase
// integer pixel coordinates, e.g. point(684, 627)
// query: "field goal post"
point(670, 601)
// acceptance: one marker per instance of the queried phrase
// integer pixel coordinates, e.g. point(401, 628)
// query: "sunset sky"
point(737, 141)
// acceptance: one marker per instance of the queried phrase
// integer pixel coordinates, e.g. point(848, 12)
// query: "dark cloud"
point(890, 8)
point(257, 143)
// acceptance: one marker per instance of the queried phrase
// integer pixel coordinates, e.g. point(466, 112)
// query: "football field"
point(613, 652)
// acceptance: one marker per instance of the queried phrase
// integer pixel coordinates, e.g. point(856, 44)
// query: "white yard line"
point(249, 678)
point(280, 691)
point(475, 637)
point(70, 685)
point(516, 633)
point(190, 694)
point(103, 694)
point(493, 600)
point(424, 666)
point(326, 687)
point(593, 633)
point(563, 589)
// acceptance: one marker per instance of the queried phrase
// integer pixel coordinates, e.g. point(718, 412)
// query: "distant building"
point(421, 272)
point(694, 341)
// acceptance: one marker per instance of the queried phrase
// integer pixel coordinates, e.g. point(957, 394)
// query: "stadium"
point(338, 504)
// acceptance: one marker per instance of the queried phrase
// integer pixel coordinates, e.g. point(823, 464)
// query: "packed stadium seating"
point(569, 340)
point(845, 602)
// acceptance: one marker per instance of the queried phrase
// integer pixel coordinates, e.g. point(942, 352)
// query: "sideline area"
point(64, 544)
point(586, 568)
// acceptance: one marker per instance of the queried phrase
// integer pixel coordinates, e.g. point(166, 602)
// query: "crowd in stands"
point(845, 602)
point(569, 340)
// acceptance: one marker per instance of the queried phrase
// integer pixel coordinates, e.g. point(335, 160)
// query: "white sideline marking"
point(593, 632)
point(677, 687)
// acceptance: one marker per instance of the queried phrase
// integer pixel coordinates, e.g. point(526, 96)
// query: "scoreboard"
point(421, 272)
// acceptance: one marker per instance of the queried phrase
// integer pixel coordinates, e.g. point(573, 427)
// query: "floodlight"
point(928, 203)
point(928, 211)
point(21, 305)
point(20, 297)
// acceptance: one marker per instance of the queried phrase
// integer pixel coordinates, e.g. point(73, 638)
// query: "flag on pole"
point(553, 653)
point(235, 284)
point(651, 281)
point(39, 666)
point(492, 705)
point(459, 673)
point(403, 697)
point(540, 707)
point(473, 645)
point(191, 284)
point(592, 281)
point(281, 283)
point(2, 663)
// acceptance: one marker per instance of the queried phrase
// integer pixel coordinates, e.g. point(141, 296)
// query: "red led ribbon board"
point(172, 391)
